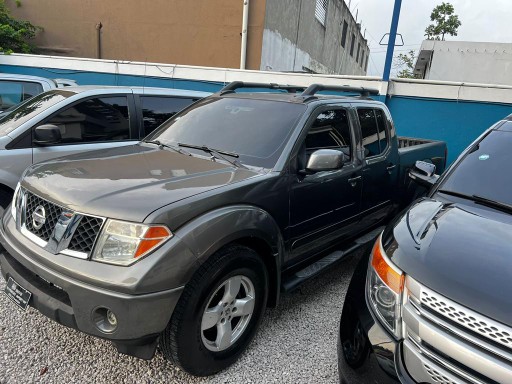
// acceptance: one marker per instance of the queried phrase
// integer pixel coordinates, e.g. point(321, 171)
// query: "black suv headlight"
point(384, 289)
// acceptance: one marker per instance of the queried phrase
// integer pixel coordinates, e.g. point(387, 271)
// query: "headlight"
point(385, 284)
point(124, 243)
point(15, 201)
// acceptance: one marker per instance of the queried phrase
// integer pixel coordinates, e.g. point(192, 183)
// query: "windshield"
point(30, 108)
point(484, 171)
point(256, 130)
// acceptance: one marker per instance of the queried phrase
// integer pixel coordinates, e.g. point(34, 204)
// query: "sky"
point(482, 20)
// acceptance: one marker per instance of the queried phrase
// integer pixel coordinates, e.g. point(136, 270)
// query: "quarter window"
point(156, 110)
point(94, 120)
point(373, 130)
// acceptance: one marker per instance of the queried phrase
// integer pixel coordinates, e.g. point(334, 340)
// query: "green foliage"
point(15, 34)
point(405, 62)
point(445, 22)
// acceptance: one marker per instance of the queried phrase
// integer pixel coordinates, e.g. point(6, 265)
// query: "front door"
point(323, 205)
point(95, 123)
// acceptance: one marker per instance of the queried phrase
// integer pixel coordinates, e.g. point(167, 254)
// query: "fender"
point(208, 233)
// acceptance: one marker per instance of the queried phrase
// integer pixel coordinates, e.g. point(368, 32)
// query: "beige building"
point(283, 35)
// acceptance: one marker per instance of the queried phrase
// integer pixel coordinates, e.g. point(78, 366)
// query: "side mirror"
point(325, 160)
point(47, 134)
point(424, 174)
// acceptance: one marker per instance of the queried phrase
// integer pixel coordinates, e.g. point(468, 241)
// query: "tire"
point(5, 198)
point(192, 338)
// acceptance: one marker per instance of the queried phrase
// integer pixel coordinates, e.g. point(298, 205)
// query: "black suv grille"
point(52, 216)
point(85, 235)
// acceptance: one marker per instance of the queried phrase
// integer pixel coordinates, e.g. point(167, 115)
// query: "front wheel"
point(218, 313)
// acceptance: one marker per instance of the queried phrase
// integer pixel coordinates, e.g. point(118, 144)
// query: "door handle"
point(353, 181)
point(390, 168)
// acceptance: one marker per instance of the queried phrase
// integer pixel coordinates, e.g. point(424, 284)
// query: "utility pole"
point(392, 39)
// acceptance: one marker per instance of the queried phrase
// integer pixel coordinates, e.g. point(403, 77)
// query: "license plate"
point(19, 295)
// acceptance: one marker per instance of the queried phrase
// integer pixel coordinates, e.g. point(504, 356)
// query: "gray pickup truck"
point(186, 237)
point(76, 119)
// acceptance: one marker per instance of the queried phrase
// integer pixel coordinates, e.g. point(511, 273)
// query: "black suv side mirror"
point(325, 160)
point(424, 174)
point(47, 134)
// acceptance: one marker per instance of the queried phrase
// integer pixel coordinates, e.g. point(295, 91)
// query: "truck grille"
point(448, 343)
point(52, 215)
point(83, 237)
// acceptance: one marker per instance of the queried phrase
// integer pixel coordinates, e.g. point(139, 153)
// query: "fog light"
point(111, 317)
point(105, 320)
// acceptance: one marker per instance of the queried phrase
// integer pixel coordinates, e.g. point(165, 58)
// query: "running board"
point(295, 280)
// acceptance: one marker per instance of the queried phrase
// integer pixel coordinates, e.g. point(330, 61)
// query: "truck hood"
point(128, 183)
point(463, 252)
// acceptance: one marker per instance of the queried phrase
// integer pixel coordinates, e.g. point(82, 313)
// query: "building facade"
point(319, 36)
point(465, 61)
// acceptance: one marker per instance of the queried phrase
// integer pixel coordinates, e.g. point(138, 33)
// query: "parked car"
point(186, 237)
point(76, 119)
point(16, 88)
point(433, 304)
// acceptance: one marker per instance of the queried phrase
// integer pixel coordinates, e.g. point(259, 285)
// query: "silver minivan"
point(69, 120)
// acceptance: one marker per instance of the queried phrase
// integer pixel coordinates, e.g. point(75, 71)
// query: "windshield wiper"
point(480, 200)
point(162, 145)
point(216, 153)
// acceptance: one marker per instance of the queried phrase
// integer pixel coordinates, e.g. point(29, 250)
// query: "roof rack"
point(234, 85)
point(314, 88)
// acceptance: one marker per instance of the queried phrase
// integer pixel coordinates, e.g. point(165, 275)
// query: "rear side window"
point(94, 120)
point(373, 130)
point(156, 110)
point(14, 92)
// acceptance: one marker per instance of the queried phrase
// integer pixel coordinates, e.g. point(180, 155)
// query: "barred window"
point(321, 11)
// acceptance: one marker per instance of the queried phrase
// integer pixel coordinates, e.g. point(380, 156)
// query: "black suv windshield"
point(484, 171)
point(30, 108)
point(256, 130)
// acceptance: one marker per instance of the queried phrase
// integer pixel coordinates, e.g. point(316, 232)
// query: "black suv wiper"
point(480, 200)
point(160, 144)
point(216, 153)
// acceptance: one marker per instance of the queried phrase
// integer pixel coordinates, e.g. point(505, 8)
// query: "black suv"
point(186, 237)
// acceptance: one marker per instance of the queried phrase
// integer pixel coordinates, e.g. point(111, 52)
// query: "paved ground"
point(295, 344)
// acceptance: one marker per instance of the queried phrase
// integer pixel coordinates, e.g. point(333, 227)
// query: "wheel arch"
point(245, 225)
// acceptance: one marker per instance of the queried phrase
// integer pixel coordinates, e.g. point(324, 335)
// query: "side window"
point(330, 130)
point(383, 133)
point(14, 92)
point(94, 120)
point(157, 109)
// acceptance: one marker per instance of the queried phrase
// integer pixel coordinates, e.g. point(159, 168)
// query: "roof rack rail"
point(314, 88)
point(234, 85)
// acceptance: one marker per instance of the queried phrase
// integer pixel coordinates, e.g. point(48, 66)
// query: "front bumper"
point(71, 302)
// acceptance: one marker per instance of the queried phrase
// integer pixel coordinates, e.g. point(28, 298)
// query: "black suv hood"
point(128, 182)
point(463, 252)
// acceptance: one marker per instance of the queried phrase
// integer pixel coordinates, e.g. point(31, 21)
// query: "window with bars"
point(321, 11)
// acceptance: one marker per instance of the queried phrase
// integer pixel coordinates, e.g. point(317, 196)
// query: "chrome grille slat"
point(53, 212)
point(488, 328)
point(446, 340)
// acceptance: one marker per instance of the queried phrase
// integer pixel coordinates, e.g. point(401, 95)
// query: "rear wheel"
point(218, 312)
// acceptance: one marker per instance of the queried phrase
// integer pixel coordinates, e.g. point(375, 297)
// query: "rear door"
point(324, 205)
point(380, 172)
point(93, 123)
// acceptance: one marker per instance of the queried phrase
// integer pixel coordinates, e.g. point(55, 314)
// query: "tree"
point(445, 22)
point(405, 62)
point(15, 34)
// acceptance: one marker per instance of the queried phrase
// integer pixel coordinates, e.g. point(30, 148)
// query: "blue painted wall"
point(456, 122)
